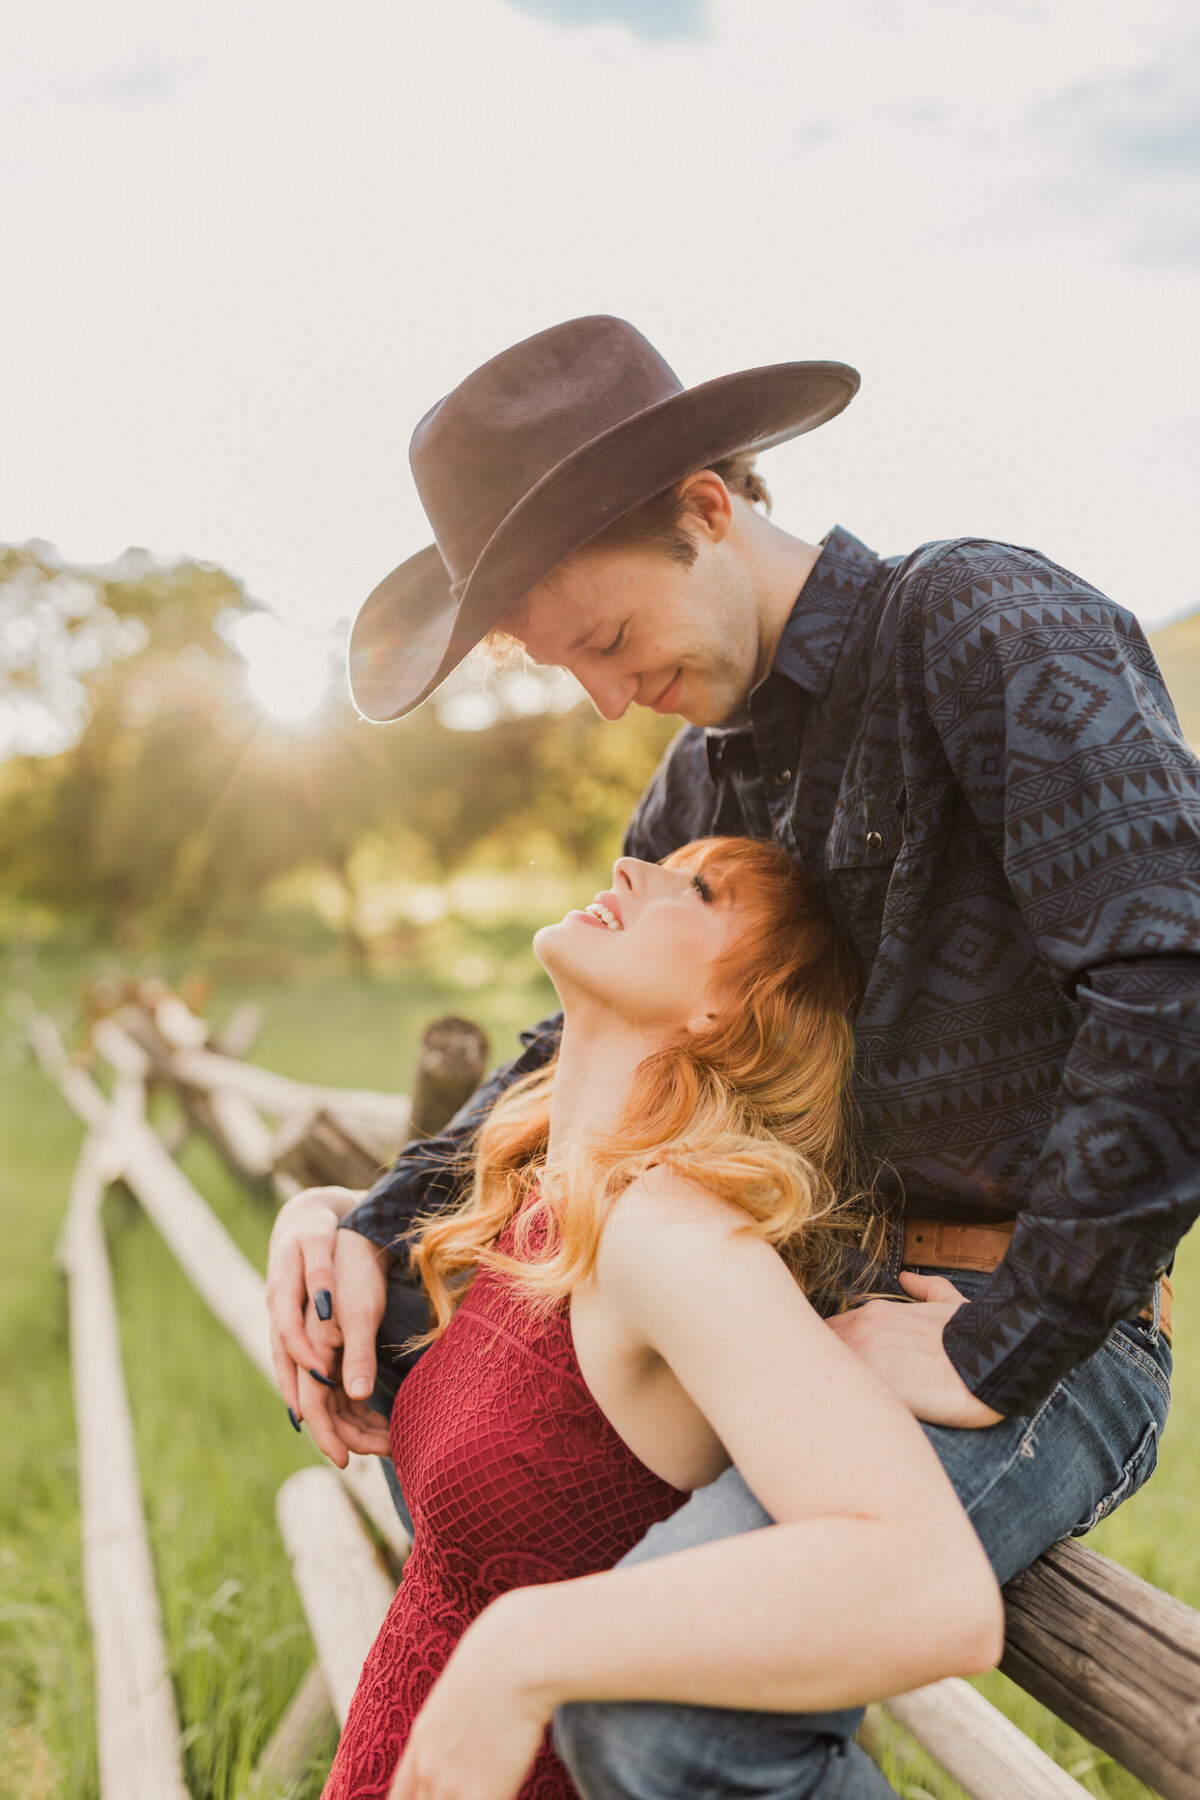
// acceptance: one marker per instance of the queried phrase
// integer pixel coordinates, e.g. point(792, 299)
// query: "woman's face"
point(645, 949)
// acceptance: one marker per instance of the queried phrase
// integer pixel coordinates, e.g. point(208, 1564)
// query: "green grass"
point(213, 1439)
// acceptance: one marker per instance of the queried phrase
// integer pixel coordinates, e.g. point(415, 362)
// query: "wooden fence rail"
point(137, 1727)
point(226, 1280)
point(1113, 1656)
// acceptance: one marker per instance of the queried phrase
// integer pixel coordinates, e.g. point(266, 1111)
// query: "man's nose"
point(610, 694)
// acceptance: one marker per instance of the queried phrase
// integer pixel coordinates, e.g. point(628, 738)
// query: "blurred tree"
point(179, 803)
point(54, 630)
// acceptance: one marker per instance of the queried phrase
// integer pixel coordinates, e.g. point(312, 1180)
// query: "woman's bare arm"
point(873, 1580)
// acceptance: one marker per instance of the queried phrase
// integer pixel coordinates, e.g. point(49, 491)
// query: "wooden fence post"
point(450, 1066)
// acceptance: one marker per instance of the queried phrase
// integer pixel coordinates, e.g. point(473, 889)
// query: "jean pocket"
point(1138, 1468)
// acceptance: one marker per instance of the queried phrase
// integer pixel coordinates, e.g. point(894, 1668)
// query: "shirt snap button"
point(874, 841)
point(783, 777)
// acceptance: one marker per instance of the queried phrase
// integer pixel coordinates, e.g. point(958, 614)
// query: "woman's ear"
point(699, 1022)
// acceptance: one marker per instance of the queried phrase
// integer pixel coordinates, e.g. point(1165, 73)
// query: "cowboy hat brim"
point(413, 630)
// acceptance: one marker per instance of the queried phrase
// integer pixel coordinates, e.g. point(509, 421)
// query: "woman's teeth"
point(599, 911)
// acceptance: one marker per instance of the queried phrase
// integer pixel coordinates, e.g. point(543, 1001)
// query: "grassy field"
point(214, 1440)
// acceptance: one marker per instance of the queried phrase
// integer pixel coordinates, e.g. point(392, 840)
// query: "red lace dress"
point(513, 1476)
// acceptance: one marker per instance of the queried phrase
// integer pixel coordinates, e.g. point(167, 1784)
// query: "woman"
point(620, 1313)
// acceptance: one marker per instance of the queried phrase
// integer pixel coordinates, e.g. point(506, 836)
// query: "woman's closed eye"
point(702, 888)
point(618, 643)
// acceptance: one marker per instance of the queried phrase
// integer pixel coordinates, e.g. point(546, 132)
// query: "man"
point(974, 750)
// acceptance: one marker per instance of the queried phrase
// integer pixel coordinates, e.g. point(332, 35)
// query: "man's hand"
point(903, 1345)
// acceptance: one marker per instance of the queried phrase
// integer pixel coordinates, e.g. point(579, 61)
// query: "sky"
point(247, 244)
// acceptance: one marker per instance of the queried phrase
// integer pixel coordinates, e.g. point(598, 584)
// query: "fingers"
point(285, 1373)
point(317, 1412)
point(360, 1427)
point(316, 1243)
point(325, 1336)
point(300, 1268)
point(362, 1298)
point(286, 1300)
point(358, 1358)
point(928, 1287)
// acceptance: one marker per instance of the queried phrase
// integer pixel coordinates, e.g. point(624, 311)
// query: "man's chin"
point(712, 716)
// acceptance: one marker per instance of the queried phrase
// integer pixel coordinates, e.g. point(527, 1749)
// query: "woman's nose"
point(631, 872)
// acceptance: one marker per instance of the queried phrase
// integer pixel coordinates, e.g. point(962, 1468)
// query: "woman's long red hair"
point(755, 1109)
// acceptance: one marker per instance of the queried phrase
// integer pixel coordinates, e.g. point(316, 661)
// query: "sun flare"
point(287, 670)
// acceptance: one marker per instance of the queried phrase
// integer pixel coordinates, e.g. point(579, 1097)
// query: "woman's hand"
point(335, 1409)
point(481, 1727)
point(326, 1295)
point(299, 1267)
point(338, 1423)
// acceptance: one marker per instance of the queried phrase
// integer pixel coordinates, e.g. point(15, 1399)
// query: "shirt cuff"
point(1010, 1353)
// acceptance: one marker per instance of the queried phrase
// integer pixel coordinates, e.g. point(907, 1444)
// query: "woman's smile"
point(603, 910)
point(587, 918)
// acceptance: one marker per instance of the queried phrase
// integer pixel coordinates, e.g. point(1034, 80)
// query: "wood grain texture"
point(225, 1279)
point(1115, 1657)
point(343, 1585)
point(450, 1066)
point(231, 1119)
point(381, 1116)
point(137, 1725)
point(976, 1745)
point(317, 1149)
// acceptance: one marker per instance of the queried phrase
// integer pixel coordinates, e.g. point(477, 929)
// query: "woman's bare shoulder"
point(675, 1260)
point(663, 1215)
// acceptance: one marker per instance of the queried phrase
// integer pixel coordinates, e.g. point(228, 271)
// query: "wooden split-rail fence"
point(1111, 1655)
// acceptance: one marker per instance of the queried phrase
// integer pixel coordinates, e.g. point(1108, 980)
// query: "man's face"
point(635, 627)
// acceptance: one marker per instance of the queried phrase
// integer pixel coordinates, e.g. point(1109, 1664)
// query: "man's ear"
point(711, 502)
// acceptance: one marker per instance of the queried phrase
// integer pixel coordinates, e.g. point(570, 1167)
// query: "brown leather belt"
point(948, 1244)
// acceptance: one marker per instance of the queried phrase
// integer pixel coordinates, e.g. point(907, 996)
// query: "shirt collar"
point(812, 638)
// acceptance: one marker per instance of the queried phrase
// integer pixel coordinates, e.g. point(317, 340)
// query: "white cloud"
point(1127, 149)
point(650, 19)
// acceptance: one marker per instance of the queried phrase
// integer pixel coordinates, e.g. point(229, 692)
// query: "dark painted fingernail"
point(323, 1379)
point(323, 1301)
point(294, 1419)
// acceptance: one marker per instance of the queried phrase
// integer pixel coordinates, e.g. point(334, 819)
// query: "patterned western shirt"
point(974, 751)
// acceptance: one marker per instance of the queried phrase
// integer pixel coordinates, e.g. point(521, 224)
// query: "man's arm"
point(1055, 722)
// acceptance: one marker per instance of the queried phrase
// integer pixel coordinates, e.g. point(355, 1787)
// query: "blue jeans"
point(1025, 1483)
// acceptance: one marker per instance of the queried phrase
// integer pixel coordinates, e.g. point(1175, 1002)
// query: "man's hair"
point(658, 524)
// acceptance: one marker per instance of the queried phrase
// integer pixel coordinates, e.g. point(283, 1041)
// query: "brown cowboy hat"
point(532, 455)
